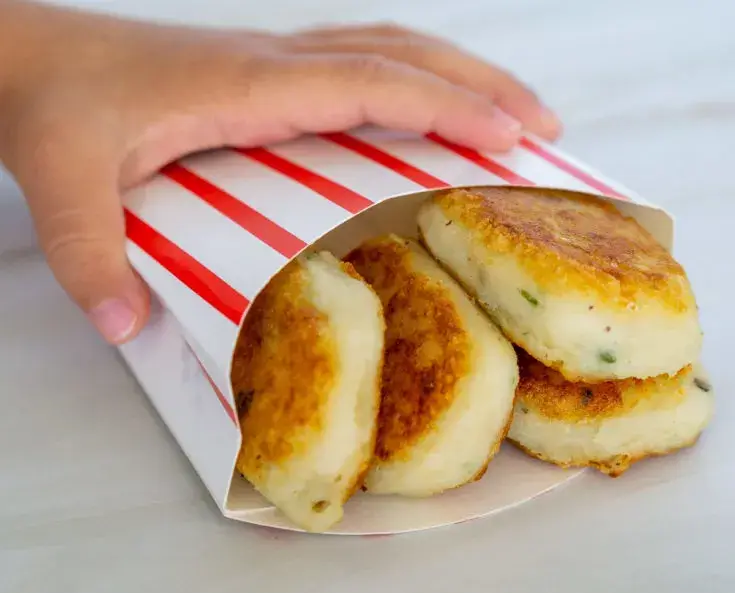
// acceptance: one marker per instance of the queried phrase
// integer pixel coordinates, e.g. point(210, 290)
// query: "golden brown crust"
point(426, 347)
point(549, 394)
point(284, 366)
point(614, 466)
point(359, 481)
point(572, 242)
point(350, 270)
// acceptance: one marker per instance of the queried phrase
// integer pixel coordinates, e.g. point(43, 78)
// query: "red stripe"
point(210, 287)
point(381, 157)
point(567, 167)
point(251, 220)
point(225, 404)
point(488, 164)
point(334, 192)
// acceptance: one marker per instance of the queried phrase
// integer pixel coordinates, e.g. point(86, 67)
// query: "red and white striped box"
point(210, 231)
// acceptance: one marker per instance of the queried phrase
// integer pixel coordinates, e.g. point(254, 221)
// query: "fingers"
point(517, 100)
point(442, 59)
point(78, 218)
point(346, 91)
point(386, 30)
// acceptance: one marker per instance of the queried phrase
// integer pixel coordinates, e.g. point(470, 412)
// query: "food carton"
point(209, 232)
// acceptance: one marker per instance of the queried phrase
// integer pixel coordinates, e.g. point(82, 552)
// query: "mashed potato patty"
point(306, 376)
point(607, 425)
point(566, 276)
point(449, 377)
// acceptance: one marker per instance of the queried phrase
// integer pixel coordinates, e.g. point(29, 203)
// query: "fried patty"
point(569, 278)
point(449, 375)
point(607, 425)
point(306, 377)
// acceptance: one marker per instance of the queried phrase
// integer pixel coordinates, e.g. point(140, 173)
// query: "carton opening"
point(371, 514)
point(210, 232)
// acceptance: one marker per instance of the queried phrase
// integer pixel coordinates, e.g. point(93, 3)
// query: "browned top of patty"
point(426, 349)
point(569, 241)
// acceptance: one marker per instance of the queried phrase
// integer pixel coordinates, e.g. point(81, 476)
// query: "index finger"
point(325, 93)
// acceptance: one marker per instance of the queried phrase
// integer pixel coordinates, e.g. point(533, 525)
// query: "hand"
point(115, 100)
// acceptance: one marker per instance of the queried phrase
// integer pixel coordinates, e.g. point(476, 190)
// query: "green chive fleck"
point(524, 410)
point(702, 384)
point(608, 357)
point(529, 297)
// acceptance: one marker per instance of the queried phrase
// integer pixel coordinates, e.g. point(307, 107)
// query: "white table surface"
point(95, 496)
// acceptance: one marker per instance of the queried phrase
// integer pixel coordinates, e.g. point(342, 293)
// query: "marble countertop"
point(96, 496)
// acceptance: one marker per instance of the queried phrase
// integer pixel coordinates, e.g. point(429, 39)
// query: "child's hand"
point(90, 105)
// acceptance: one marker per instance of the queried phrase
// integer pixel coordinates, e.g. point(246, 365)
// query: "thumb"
point(79, 220)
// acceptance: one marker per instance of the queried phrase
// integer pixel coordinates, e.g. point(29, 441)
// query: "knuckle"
point(248, 71)
point(47, 146)
point(83, 248)
point(34, 139)
point(395, 32)
point(68, 232)
point(510, 84)
point(506, 76)
point(41, 144)
point(392, 29)
point(370, 67)
point(81, 260)
point(427, 54)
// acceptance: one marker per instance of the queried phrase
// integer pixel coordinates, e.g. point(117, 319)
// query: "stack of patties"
point(378, 372)
point(604, 319)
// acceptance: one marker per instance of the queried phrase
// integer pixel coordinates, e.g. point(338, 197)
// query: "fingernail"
point(549, 121)
point(508, 126)
point(114, 319)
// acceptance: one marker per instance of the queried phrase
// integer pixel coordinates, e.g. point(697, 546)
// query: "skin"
point(91, 105)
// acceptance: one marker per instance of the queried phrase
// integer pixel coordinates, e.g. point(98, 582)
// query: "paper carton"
point(210, 231)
